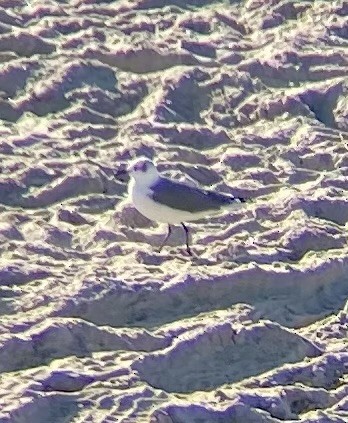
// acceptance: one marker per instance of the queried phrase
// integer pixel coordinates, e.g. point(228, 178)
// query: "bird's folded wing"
point(180, 196)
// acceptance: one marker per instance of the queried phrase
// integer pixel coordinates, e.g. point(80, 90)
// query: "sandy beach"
point(248, 98)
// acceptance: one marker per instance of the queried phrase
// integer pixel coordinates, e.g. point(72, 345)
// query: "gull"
point(168, 201)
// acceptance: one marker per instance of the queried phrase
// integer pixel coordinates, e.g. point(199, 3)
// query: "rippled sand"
point(247, 97)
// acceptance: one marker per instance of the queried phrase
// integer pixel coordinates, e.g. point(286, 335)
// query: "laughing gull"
point(164, 200)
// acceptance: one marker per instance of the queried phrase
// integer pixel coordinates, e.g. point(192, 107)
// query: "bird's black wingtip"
point(244, 200)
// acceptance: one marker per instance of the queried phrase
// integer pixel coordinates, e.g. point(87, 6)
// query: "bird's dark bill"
point(122, 175)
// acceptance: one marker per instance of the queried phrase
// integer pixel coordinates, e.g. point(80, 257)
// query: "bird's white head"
point(143, 171)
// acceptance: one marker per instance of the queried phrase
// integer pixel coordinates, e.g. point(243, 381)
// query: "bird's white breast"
point(142, 201)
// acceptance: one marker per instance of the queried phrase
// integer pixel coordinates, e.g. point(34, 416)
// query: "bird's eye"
point(141, 167)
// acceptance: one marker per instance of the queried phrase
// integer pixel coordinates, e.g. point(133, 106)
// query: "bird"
point(169, 201)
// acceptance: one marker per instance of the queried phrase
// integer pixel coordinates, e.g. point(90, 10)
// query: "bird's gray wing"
point(190, 199)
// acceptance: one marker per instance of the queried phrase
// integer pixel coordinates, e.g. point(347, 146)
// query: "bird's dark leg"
point(188, 249)
point(165, 239)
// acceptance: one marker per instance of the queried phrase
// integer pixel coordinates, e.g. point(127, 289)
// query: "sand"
point(246, 97)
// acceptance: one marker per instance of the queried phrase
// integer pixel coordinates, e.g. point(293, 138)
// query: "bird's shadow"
point(155, 258)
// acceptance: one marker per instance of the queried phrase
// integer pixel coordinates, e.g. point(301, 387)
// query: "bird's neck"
point(144, 183)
